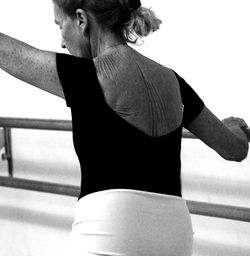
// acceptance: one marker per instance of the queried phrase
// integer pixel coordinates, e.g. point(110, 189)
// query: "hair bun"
point(130, 6)
point(142, 23)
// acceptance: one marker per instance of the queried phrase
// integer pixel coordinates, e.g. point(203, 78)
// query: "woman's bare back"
point(143, 92)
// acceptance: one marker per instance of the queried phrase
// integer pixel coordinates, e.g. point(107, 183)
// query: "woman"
point(128, 113)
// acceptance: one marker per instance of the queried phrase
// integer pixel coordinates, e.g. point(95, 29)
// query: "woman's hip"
point(130, 222)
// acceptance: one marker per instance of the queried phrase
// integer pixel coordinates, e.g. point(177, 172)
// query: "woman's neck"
point(102, 41)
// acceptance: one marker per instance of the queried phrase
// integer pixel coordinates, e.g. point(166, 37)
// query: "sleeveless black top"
point(113, 153)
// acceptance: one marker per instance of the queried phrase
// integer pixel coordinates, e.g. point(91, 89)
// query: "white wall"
point(206, 42)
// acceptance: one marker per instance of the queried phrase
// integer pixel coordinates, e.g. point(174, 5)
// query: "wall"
point(206, 42)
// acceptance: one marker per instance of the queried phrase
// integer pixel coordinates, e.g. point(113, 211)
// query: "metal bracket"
point(2, 141)
point(5, 142)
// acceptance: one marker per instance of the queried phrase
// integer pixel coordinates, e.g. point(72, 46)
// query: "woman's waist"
point(145, 184)
point(133, 194)
point(128, 204)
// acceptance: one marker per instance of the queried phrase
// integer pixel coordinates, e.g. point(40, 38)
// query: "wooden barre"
point(197, 208)
point(61, 125)
point(40, 124)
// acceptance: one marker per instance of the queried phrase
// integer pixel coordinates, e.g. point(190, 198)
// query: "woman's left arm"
point(30, 64)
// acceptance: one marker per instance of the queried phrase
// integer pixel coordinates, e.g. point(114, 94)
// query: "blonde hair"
point(117, 16)
point(143, 22)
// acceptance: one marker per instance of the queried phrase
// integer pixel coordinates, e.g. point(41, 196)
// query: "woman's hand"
point(235, 122)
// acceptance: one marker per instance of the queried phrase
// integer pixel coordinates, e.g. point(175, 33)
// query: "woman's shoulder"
point(125, 64)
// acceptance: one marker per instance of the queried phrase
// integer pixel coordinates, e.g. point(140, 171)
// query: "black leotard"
point(112, 152)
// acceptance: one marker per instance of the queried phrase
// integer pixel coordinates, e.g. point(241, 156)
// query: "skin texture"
point(84, 38)
point(30, 65)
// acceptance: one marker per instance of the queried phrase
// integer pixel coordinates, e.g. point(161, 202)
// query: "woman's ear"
point(81, 18)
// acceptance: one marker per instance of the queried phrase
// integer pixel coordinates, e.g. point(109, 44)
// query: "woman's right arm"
point(30, 64)
point(228, 140)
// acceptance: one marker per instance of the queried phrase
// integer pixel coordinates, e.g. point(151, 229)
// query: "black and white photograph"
point(124, 128)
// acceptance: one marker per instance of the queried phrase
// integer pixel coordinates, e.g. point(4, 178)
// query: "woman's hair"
point(125, 17)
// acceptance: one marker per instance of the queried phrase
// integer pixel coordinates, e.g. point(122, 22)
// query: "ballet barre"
point(61, 125)
point(197, 208)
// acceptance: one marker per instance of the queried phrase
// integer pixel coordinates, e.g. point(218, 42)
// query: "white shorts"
point(131, 223)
